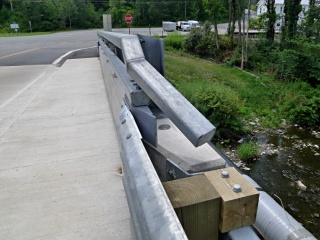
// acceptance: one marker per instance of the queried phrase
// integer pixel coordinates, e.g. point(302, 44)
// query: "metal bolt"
point(236, 188)
point(129, 135)
point(164, 127)
point(224, 174)
point(123, 121)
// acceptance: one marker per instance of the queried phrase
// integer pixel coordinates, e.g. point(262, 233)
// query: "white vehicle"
point(194, 24)
point(169, 26)
point(183, 26)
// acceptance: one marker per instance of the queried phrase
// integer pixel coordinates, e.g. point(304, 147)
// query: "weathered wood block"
point(197, 205)
point(238, 209)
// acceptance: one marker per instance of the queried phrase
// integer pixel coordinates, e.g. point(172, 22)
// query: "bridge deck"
point(60, 167)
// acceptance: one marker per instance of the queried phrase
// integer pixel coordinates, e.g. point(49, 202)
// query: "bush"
point(261, 56)
point(173, 40)
point(248, 150)
point(218, 103)
point(291, 65)
point(301, 104)
point(299, 61)
point(193, 40)
point(202, 42)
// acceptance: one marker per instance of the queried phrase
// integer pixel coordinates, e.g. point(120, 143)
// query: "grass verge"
point(24, 34)
point(227, 96)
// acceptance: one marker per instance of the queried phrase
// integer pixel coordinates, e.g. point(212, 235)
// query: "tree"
point(292, 8)
point(311, 25)
point(216, 9)
point(70, 10)
point(118, 11)
point(271, 19)
point(194, 10)
point(247, 37)
point(241, 16)
point(232, 20)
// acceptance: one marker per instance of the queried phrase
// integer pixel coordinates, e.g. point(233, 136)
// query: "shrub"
point(218, 103)
point(299, 61)
point(202, 42)
point(173, 40)
point(193, 40)
point(301, 104)
point(261, 55)
point(290, 65)
point(248, 150)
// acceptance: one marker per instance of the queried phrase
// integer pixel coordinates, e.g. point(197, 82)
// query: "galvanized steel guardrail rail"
point(151, 211)
point(131, 81)
point(180, 111)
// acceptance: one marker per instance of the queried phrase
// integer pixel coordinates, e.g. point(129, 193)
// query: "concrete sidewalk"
point(60, 167)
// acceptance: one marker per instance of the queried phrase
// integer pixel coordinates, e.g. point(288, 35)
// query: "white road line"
point(59, 59)
point(21, 91)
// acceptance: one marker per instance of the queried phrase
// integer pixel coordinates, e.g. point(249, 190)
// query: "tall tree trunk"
point(11, 5)
point(272, 17)
point(216, 35)
point(239, 24)
point(241, 36)
point(233, 21)
point(247, 38)
point(230, 18)
point(243, 41)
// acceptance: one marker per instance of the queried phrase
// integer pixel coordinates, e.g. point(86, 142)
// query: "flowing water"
point(287, 157)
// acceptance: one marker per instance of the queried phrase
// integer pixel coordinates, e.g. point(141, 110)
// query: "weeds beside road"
point(229, 98)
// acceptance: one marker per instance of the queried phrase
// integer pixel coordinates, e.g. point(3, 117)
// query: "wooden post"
point(238, 209)
point(197, 205)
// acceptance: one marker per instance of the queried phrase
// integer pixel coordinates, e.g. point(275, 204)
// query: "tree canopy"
point(51, 15)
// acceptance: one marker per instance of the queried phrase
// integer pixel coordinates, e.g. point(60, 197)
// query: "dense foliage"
point(51, 15)
point(291, 64)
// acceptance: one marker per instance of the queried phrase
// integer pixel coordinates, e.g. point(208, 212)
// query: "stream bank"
point(288, 166)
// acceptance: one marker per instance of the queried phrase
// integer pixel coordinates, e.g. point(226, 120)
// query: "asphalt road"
point(26, 61)
point(43, 49)
point(46, 49)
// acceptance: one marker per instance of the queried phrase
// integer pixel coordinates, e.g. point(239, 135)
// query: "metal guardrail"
point(150, 208)
point(180, 111)
point(152, 213)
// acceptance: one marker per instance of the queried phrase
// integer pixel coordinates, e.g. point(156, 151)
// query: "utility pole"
point(11, 5)
point(185, 10)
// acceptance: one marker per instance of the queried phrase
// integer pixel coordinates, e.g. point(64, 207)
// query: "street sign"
point(128, 18)
point(14, 26)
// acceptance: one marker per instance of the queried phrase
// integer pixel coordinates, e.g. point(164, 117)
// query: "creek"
point(287, 157)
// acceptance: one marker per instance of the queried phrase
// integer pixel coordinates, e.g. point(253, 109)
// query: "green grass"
point(258, 95)
point(24, 34)
point(248, 150)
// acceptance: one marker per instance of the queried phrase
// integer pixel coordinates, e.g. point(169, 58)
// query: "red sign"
point(128, 18)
